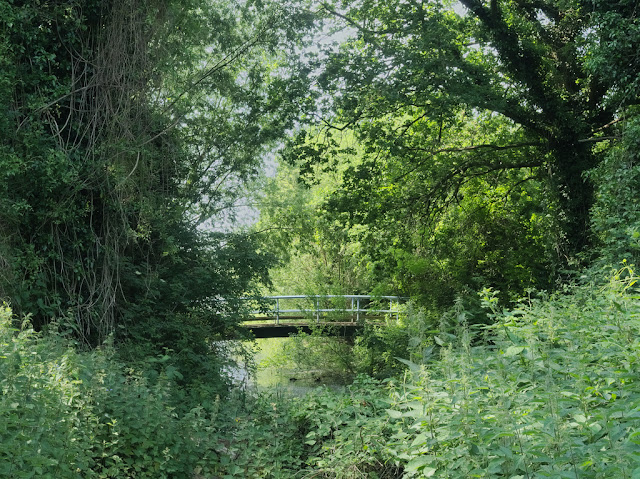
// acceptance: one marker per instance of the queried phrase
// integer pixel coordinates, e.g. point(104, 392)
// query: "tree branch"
point(466, 149)
point(355, 24)
point(597, 139)
point(611, 123)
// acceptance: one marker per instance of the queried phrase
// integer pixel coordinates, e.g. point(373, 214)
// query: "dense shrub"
point(554, 393)
point(69, 414)
point(616, 217)
point(549, 389)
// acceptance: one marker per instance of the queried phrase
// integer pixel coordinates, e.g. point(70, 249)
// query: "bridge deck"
point(284, 330)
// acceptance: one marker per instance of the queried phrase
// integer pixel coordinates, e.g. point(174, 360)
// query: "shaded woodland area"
point(479, 157)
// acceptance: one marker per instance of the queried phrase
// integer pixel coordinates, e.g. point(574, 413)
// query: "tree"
point(412, 67)
point(316, 253)
point(360, 212)
point(127, 125)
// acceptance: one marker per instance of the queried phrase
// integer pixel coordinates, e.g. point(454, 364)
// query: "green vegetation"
point(550, 389)
point(127, 130)
point(480, 157)
point(450, 152)
point(553, 393)
point(69, 414)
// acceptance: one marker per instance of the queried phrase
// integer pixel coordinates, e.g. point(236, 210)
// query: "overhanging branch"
point(474, 148)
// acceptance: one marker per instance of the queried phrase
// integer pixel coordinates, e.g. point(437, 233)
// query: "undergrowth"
point(70, 414)
point(549, 390)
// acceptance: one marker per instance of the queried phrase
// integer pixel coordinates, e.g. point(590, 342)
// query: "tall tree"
point(125, 126)
point(411, 67)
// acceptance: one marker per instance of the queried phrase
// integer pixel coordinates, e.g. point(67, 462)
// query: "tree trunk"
point(575, 196)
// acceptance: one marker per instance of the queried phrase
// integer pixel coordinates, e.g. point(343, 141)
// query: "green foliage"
point(352, 224)
point(127, 131)
point(67, 414)
point(613, 58)
point(346, 434)
point(553, 397)
point(326, 356)
point(553, 393)
point(318, 254)
point(409, 334)
point(261, 439)
point(190, 305)
point(476, 174)
point(616, 218)
point(479, 124)
point(548, 390)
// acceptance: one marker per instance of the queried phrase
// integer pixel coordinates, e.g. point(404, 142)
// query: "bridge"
point(336, 315)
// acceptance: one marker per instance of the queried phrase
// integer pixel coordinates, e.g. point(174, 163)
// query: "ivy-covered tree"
point(126, 126)
point(410, 70)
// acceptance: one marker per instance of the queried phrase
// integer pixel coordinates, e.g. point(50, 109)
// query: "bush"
point(65, 413)
point(615, 215)
point(68, 414)
point(555, 393)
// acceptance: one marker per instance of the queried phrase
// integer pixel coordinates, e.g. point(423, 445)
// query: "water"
point(275, 370)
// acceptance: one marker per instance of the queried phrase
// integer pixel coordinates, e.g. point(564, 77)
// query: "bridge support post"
point(352, 315)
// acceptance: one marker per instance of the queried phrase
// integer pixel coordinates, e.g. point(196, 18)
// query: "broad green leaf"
point(635, 437)
point(419, 463)
point(428, 471)
point(513, 351)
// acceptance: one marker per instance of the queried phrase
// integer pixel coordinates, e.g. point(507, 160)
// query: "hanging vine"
point(131, 122)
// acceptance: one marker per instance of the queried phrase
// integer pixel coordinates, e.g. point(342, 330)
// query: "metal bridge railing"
point(356, 305)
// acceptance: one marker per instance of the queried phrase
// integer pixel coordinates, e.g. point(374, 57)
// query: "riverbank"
point(549, 389)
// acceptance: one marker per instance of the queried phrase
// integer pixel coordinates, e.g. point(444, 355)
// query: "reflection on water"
point(273, 371)
point(295, 382)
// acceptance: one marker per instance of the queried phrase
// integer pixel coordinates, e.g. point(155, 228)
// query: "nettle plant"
point(550, 389)
point(554, 394)
point(65, 413)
